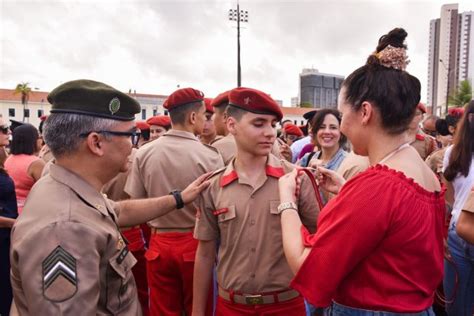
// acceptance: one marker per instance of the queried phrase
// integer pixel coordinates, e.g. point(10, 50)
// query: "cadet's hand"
point(285, 152)
point(329, 180)
point(288, 186)
point(195, 188)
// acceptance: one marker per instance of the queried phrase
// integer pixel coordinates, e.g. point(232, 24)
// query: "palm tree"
point(24, 89)
point(462, 96)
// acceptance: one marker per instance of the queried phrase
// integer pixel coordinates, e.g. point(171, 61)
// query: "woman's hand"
point(288, 186)
point(285, 152)
point(195, 188)
point(329, 180)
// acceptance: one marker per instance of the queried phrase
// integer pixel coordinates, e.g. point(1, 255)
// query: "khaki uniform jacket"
point(352, 165)
point(171, 162)
point(435, 160)
point(67, 254)
point(424, 145)
point(246, 222)
point(228, 148)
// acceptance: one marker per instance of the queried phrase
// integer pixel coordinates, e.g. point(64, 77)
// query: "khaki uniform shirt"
point(435, 160)
point(46, 154)
point(246, 222)
point(218, 137)
point(114, 189)
point(67, 254)
point(424, 145)
point(227, 148)
point(469, 205)
point(352, 165)
point(171, 162)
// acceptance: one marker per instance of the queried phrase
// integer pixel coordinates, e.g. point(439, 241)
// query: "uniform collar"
point(273, 169)
point(182, 134)
point(81, 187)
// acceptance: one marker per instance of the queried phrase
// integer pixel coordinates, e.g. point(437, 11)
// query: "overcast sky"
point(153, 46)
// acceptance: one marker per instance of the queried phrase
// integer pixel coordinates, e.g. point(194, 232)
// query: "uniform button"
point(252, 197)
point(253, 249)
point(252, 222)
point(123, 289)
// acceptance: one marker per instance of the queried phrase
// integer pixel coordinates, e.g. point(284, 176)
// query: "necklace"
point(392, 153)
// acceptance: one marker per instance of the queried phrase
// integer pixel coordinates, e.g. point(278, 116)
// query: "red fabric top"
point(379, 245)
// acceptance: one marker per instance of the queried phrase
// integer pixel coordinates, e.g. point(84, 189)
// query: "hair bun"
point(395, 38)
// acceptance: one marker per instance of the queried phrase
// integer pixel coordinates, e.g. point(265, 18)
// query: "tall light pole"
point(239, 16)
point(448, 70)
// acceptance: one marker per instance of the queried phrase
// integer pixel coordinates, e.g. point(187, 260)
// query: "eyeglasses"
point(4, 129)
point(429, 132)
point(134, 135)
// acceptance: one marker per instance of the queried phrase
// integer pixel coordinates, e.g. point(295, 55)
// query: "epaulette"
point(420, 137)
point(216, 172)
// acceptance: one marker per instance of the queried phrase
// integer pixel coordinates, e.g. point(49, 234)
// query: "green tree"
point(24, 89)
point(306, 105)
point(462, 96)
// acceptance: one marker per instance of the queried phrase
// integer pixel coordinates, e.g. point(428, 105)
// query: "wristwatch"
point(179, 200)
point(286, 206)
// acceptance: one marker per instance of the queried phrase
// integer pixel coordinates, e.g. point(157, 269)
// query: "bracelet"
point(287, 205)
point(179, 200)
point(289, 208)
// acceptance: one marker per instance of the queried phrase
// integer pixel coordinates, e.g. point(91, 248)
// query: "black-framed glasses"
point(4, 129)
point(134, 135)
point(429, 132)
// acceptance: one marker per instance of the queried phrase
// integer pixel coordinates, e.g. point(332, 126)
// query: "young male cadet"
point(239, 213)
point(173, 161)
point(67, 254)
point(226, 145)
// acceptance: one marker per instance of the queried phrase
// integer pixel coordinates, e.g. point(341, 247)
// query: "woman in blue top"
point(326, 133)
point(8, 213)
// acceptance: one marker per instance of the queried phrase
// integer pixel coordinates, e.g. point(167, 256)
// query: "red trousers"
point(294, 307)
point(137, 247)
point(170, 269)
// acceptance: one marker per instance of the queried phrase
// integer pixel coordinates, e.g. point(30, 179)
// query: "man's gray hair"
point(62, 131)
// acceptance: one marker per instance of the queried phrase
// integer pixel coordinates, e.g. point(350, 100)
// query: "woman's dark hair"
point(442, 125)
point(24, 140)
point(463, 146)
point(318, 120)
point(394, 92)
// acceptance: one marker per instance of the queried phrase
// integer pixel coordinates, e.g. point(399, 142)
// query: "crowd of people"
point(368, 209)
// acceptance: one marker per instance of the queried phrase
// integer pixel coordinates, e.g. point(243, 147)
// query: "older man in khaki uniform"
point(67, 254)
point(173, 161)
point(239, 213)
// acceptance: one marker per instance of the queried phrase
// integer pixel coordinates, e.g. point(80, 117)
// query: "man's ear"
point(94, 143)
point(231, 123)
point(192, 118)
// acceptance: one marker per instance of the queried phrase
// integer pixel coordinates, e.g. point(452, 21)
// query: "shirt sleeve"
point(354, 215)
point(52, 274)
point(134, 186)
point(206, 227)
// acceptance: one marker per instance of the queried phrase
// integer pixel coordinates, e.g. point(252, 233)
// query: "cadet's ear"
point(230, 123)
point(94, 143)
point(192, 117)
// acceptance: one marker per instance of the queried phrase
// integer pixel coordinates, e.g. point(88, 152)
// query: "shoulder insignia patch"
point(59, 275)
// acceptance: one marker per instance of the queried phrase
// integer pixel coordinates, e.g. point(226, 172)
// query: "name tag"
point(220, 211)
point(122, 255)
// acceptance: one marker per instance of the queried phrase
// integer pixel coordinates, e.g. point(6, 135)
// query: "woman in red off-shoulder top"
point(379, 244)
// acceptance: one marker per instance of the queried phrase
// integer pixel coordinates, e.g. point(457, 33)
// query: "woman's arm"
point(465, 226)
point(36, 169)
point(6, 222)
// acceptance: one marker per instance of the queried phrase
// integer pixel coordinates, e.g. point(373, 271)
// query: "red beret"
point(209, 107)
point(182, 97)
point(457, 112)
point(421, 107)
point(254, 101)
point(292, 129)
point(160, 120)
point(222, 98)
point(142, 125)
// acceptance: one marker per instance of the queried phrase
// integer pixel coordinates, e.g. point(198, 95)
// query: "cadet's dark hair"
point(394, 92)
point(442, 125)
point(463, 146)
point(24, 140)
point(178, 114)
point(318, 120)
point(235, 112)
point(145, 134)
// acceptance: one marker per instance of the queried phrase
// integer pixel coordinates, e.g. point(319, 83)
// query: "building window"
point(154, 112)
point(143, 114)
point(166, 112)
point(11, 112)
point(26, 112)
point(40, 113)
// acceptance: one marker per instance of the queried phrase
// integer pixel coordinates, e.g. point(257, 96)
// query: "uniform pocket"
point(225, 220)
point(189, 256)
point(121, 290)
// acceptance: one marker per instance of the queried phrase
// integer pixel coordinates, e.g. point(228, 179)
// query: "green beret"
point(93, 98)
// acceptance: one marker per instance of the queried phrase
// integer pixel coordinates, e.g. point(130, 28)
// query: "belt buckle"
point(253, 299)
